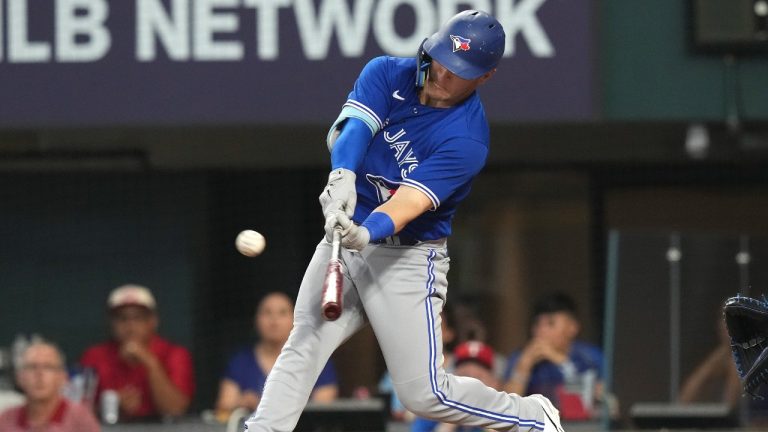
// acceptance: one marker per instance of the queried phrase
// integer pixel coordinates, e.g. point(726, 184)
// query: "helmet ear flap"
point(423, 60)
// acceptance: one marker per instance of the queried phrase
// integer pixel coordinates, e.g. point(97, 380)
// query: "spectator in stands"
point(153, 377)
point(554, 363)
point(247, 370)
point(473, 359)
point(42, 376)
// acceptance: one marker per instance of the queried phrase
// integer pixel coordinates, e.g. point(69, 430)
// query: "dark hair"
point(552, 303)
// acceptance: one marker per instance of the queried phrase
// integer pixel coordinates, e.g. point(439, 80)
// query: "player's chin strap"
point(423, 60)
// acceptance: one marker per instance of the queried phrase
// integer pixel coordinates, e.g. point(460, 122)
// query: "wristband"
point(379, 225)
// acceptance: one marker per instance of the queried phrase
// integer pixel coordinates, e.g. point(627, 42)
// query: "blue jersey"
point(435, 150)
point(546, 376)
point(245, 370)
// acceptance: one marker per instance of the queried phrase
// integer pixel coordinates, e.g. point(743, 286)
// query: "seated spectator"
point(472, 359)
point(42, 376)
point(247, 370)
point(554, 363)
point(153, 377)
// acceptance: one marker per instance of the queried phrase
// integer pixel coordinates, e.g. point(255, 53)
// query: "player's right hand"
point(340, 193)
point(352, 236)
point(336, 218)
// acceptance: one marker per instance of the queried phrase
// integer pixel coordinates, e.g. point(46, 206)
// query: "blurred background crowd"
point(624, 198)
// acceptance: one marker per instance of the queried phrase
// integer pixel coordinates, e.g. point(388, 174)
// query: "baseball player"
point(407, 144)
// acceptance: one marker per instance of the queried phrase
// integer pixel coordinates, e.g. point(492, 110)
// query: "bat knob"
point(331, 311)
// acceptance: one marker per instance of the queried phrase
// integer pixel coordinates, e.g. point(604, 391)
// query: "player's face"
point(133, 323)
point(559, 329)
point(42, 374)
point(274, 318)
point(443, 89)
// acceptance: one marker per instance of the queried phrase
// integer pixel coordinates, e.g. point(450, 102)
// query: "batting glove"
point(339, 193)
point(353, 236)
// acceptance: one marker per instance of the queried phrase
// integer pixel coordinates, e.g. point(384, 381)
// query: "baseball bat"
point(334, 280)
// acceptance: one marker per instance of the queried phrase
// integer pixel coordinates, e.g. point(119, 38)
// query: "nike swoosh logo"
point(397, 96)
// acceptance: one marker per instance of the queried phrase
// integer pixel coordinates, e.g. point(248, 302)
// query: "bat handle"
point(336, 242)
point(331, 311)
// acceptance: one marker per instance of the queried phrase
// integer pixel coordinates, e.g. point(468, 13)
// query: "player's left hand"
point(339, 193)
point(352, 236)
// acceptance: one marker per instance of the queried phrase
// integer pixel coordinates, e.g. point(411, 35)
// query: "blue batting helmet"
point(469, 44)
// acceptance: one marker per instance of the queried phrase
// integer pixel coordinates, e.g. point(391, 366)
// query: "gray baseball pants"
point(400, 290)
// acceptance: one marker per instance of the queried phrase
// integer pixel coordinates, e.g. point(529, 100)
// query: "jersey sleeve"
point(452, 165)
point(369, 99)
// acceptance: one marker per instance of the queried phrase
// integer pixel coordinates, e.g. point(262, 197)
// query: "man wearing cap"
point(153, 377)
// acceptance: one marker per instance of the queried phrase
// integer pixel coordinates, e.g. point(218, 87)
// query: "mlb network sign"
point(185, 62)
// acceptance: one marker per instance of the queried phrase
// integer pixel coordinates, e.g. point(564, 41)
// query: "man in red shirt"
point(153, 377)
point(42, 376)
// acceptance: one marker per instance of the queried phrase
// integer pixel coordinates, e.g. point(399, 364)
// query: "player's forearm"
point(168, 399)
point(405, 205)
point(691, 388)
point(693, 385)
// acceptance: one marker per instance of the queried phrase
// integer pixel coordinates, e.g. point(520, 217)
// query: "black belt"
point(397, 240)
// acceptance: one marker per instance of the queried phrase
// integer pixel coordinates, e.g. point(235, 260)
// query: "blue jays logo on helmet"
point(460, 43)
point(450, 46)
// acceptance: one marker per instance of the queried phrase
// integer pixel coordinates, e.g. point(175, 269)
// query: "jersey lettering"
point(404, 155)
point(436, 151)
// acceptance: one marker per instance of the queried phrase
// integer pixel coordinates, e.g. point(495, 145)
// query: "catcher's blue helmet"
point(469, 44)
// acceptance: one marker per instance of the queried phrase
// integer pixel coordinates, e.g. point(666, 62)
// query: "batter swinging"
point(403, 156)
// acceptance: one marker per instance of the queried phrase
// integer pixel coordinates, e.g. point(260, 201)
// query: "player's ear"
point(486, 76)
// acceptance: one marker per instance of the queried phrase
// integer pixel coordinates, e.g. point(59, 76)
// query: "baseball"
point(250, 243)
